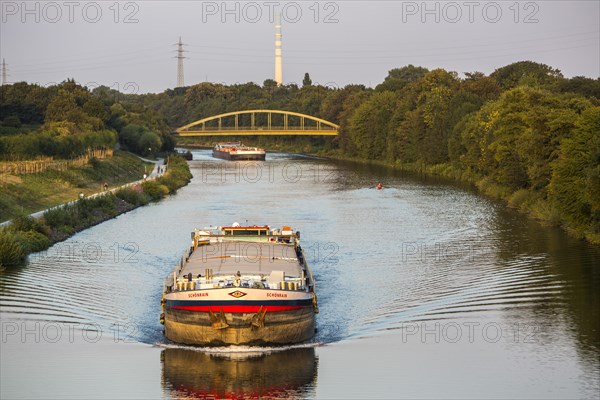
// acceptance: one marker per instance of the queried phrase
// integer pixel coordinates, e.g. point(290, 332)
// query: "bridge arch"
point(306, 124)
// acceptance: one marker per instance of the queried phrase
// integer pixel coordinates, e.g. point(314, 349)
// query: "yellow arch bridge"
point(259, 122)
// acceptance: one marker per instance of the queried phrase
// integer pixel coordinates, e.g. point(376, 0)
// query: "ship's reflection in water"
point(190, 373)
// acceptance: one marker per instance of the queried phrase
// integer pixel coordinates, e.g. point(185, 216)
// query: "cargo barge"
point(237, 151)
point(240, 285)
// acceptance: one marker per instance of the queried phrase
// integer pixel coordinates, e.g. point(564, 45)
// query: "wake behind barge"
point(241, 285)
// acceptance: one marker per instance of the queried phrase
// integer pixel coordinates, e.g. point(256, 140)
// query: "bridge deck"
point(292, 123)
point(234, 132)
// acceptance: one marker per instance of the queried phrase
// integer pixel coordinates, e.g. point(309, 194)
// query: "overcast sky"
point(130, 46)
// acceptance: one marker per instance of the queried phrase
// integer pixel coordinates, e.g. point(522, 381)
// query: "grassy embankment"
point(26, 235)
point(29, 193)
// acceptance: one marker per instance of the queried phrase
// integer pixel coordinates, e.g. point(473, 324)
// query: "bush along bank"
point(27, 235)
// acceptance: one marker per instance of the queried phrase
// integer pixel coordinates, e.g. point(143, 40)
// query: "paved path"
point(157, 171)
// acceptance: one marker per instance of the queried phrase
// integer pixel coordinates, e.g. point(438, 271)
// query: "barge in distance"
point(237, 151)
point(240, 285)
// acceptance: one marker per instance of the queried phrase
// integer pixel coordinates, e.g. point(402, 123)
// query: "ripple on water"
point(414, 251)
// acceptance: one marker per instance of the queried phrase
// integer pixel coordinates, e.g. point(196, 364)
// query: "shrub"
point(59, 216)
point(107, 203)
point(155, 190)
point(32, 241)
point(24, 222)
point(132, 196)
point(11, 251)
point(521, 197)
point(171, 182)
point(546, 211)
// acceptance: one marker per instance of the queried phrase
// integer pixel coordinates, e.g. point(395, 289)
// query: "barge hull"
point(206, 328)
point(238, 157)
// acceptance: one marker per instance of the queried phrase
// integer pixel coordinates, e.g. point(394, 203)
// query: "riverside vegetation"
point(29, 193)
point(26, 234)
point(524, 133)
point(64, 122)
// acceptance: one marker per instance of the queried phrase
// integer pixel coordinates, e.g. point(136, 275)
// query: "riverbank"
point(27, 234)
point(29, 193)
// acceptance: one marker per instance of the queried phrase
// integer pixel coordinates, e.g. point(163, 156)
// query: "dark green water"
point(425, 289)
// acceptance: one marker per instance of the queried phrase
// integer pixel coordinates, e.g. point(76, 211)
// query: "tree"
point(526, 72)
point(60, 106)
point(332, 106)
point(306, 81)
point(575, 184)
point(581, 85)
point(130, 135)
point(482, 86)
point(398, 78)
point(435, 91)
point(269, 83)
point(369, 125)
point(95, 108)
point(149, 144)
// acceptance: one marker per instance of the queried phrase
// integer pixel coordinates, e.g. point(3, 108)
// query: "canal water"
point(425, 288)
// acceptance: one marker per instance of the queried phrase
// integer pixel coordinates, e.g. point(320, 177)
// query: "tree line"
point(66, 120)
point(524, 133)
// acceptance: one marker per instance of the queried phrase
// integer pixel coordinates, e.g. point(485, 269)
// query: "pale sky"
point(130, 45)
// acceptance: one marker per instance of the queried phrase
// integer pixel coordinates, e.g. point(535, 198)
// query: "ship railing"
point(184, 284)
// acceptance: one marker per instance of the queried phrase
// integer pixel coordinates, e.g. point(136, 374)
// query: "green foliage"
point(398, 78)
point(575, 185)
point(74, 119)
point(526, 73)
point(522, 198)
point(142, 140)
point(582, 86)
point(55, 142)
point(32, 241)
point(525, 133)
point(59, 217)
point(11, 251)
point(26, 101)
point(306, 81)
point(24, 223)
point(514, 133)
point(43, 190)
point(369, 125)
point(155, 190)
point(132, 196)
point(149, 143)
point(85, 212)
point(178, 174)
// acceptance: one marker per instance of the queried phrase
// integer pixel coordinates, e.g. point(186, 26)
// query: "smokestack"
point(278, 72)
point(180, 58)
